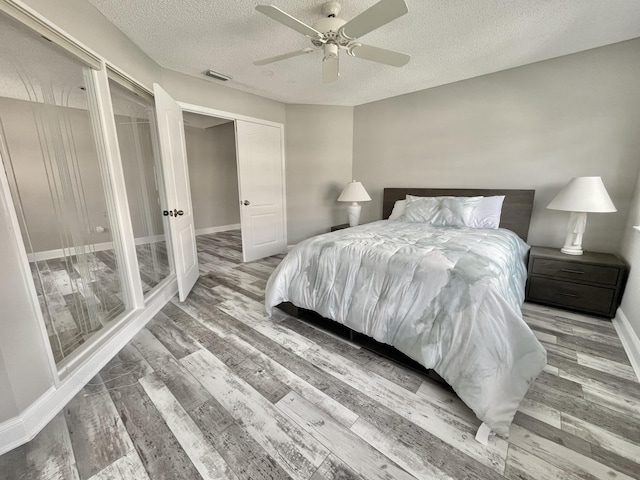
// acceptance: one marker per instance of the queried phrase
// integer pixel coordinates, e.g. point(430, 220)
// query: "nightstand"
point(591, 283)
point(339, 227)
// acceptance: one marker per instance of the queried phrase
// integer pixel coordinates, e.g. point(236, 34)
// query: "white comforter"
point(449, 298)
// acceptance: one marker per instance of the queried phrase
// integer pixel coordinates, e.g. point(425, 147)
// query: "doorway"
point(213, 173)
point(213, 177)
point(260, 178)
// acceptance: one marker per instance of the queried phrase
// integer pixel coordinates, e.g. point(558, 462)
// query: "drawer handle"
point(568, 295)
point(567, 270)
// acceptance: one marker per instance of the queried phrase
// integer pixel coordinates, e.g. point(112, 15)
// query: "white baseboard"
point(290, 247)
point(94, 247)
point(100, 247)
point(19, 430)
point(16, 431)
point(221, 228)
point(629, 339)
point(67, 252)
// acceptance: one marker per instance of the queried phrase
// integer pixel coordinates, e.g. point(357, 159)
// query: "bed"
point(448, 297)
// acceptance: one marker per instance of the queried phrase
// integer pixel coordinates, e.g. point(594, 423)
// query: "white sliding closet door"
point(176, 173)
point(262, 204)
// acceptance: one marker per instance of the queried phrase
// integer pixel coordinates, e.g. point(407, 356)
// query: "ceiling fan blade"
point(380, 14)
point(380, 55)
point(330, 69)
point(286, 19)
point(284, 56)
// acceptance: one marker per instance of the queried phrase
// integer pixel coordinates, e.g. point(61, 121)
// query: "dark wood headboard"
point(516, 209)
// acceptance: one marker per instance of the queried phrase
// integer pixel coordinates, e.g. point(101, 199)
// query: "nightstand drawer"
point(571, 295)
point(576, 271)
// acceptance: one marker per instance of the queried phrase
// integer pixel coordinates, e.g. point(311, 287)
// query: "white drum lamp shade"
point(354, 192)
point(580, 196)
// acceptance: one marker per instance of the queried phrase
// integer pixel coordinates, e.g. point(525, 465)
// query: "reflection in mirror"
point(136, 129)
point(48, 150)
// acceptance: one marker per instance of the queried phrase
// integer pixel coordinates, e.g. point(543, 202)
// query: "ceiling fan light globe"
point(330, 50)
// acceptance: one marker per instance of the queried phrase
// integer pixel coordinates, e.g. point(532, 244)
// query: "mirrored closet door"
point(49, 147)
point(135, 119)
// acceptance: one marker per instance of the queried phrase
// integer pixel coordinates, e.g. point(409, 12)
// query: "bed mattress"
point(448, 298)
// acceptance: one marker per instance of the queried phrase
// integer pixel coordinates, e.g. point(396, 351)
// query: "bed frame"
point(516, 216)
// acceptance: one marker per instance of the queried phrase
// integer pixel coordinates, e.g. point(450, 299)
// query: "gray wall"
point(319, 141)
point(33, 182)
point(139, 164)
point(81, 20)
point(213, 175)
point(210, 93)
point(24, 366)
point(8, 408)
point(631, 252)
point(530, 127)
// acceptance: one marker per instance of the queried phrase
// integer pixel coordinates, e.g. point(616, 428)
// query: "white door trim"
point(109, 155)
point(212, 112)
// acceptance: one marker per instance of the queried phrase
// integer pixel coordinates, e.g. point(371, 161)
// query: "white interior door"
point(176, 174)
point(262, 193)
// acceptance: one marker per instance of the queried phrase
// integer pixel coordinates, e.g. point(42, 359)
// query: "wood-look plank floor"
point(79, 295)
point(214, 389)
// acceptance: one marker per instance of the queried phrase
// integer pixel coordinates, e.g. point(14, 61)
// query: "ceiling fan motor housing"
point(330, 27)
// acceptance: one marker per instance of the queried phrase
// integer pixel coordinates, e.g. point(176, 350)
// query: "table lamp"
point(354, 192)
point(580, 196)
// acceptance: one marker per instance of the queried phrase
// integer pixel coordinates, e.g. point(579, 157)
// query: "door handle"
point(246, 202)
point(173, 213)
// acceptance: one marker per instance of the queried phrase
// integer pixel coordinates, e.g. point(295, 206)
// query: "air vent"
point(217, 76)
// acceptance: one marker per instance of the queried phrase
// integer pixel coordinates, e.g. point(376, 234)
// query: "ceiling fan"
point(332, 34)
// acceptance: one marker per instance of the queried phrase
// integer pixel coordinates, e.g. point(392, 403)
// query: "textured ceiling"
point(448, 40)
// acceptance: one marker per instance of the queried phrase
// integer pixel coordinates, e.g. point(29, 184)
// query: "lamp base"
point(575, 230)
point(353, 211)
point(572, 250)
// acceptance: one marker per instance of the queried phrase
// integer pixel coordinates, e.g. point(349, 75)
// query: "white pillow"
point(440, 211)
point(398, 209)
point(487, 213)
